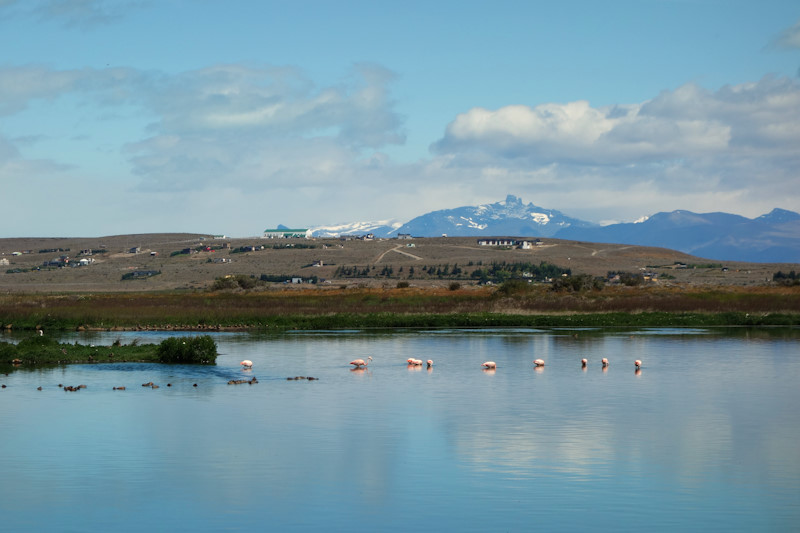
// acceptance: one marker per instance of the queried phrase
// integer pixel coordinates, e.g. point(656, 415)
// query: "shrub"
point(140, 274)
point(221, 284)
point(513, 287)
point(577, 283)
point(454, 286)
point(201, 350)
point(786, 279)
point(237, 281)
point(629, 279)
point(402, 285)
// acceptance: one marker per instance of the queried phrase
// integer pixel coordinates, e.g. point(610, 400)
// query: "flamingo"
point(605, 362)
point(539, 362)
point(247, 363)
point(489, 364)
point(430, 363)
point(584, 362)
point(637, 364)
point(360, 362)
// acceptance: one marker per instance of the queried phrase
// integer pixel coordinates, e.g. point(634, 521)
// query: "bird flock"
point(361, 364)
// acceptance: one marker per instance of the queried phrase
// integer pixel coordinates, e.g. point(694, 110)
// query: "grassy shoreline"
point(395, 308)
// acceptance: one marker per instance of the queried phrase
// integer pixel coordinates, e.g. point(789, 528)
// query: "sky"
point(233, 116)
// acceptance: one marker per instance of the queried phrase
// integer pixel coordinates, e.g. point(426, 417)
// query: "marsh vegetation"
point(44, 350)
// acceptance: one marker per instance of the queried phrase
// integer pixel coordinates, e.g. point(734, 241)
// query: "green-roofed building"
point(286, 233)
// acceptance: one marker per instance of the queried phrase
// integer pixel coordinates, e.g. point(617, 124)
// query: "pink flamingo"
point(584, 362)
point(637, 364)
point(605, 362)
point(430, 363)
point(246, 363)
point(360, 362)
point(539, 362)
point(489, 364)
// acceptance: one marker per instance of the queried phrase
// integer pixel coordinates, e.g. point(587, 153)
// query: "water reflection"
point(713, 445)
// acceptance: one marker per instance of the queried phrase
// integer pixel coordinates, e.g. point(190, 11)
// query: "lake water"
point(705, 437)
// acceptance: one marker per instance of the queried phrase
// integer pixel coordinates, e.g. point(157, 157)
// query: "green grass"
point(36, 350)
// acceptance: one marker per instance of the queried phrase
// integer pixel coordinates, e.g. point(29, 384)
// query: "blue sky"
point(134, 116)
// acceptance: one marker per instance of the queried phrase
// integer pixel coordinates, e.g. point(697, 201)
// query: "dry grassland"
point(199, 270)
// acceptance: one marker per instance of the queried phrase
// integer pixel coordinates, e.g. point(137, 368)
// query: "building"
point(287, 233)
point(497, 242)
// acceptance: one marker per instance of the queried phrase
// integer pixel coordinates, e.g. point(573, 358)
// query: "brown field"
point(199, 270)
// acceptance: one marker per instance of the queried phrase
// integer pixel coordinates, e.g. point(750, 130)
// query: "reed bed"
point(311, 308)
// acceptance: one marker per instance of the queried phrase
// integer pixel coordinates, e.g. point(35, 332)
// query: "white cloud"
point(789, 38)
point(12, 163)
point(259, 126)
point(703, 146)
point(83, 14)
point(276, 101)
point(690, 122)
point(243, 125)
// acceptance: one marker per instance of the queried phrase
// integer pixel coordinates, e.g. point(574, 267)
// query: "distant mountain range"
point(770, 238)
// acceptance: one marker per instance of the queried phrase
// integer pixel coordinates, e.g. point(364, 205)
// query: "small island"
point(43, 350)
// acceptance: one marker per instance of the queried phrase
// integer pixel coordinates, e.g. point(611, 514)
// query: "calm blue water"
point(705, 437)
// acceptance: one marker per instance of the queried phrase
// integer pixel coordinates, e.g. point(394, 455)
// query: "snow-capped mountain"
point(510, 217)
point(770, 238)
point(381, 228)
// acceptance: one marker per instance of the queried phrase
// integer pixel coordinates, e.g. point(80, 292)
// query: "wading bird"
point(360, 362)
point(489, 364)
point(539, 362)
point(246, 363)
point(637, 364)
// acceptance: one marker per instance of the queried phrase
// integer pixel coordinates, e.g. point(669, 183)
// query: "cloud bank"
point(257, 135)
point(740, 140)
